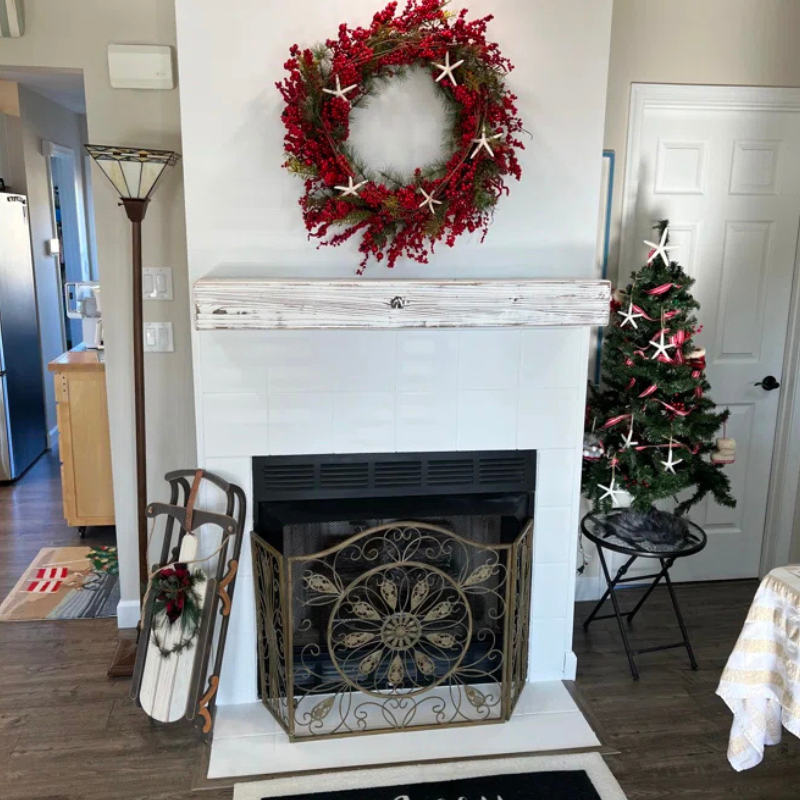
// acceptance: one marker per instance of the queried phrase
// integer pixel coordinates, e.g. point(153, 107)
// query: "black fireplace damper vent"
point(401, 474)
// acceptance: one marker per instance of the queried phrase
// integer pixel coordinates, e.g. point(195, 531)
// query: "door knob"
point(769, 384)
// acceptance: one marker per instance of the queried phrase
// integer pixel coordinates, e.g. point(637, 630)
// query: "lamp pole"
point(135, 173)
point(136, 210)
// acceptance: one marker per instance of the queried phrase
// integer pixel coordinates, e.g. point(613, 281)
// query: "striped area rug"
point(12, 19)
point(65, 583)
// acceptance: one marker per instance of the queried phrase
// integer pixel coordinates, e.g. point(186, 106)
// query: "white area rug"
point(591, 763)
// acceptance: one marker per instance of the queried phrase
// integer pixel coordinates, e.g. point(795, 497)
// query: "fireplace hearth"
point(392, 591)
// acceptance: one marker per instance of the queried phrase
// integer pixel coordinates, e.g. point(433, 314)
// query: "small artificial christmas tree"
point(651, 425)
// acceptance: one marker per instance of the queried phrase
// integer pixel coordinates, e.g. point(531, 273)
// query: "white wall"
point(308, 392)
point(75, 35)
point(12, 162)
point(281, 392)
point(4, 150)
point(44, 120)
point(712, 42)
point(11, 153)
point(241, 206)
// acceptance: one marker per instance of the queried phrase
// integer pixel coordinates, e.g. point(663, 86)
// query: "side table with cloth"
point(595, 527)
point(761, 683)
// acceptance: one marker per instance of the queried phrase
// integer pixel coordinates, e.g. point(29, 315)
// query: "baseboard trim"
point(52, 437)
point(570, 666)
point(128, 613)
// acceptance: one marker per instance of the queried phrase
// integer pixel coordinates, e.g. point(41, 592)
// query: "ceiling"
point(64, 88)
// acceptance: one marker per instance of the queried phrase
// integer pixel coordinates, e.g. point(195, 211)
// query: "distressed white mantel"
point(229, 304)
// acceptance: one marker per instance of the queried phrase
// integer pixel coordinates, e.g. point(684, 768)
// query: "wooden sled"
point(184, 685)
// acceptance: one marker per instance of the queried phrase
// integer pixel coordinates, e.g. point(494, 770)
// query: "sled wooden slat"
point(164, 694)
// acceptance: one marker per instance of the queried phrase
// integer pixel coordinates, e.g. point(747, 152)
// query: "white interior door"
point(723, 165)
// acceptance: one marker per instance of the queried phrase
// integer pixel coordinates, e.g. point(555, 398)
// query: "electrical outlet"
point(157, 283)
point(158, 337)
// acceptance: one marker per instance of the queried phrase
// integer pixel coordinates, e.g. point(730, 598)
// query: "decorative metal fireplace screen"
point(400, 625)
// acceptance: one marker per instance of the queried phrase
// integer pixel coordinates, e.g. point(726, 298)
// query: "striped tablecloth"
point(761, 683)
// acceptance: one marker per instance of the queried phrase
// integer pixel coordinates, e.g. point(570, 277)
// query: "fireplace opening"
point(393, 591)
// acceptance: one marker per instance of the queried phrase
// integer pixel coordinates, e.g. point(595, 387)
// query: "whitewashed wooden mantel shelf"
point(229, 304)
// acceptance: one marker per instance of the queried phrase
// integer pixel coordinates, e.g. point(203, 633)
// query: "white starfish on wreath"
point(429, 201)
point(447, 69)
point(484, 142)
point(352, 188)
point(339, 92)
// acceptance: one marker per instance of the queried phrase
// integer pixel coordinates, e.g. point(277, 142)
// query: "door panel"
point(729, 182)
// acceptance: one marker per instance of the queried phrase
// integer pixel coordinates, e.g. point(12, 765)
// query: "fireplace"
point(286, 394)
point(392, 591)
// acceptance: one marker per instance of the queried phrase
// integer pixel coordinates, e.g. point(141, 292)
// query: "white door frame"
point(51, 150)
point(783, 489)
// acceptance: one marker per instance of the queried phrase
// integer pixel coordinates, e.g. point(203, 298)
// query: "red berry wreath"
point(443, 200)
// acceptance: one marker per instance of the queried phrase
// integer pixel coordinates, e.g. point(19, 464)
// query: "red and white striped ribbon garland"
point(663, 289)
point(667, 314)
point(616, 420)
point(674, 410)
point(674, 446)
point(679, 339)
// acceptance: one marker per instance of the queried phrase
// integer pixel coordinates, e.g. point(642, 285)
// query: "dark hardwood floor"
point(67, 732)
point(670, 727)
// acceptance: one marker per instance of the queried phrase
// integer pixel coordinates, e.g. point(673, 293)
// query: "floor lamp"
point(135, 174)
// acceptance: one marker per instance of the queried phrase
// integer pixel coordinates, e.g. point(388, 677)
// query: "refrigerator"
point(23, 424)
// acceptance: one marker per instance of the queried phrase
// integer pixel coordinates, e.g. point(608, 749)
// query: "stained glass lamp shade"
point(134, 172)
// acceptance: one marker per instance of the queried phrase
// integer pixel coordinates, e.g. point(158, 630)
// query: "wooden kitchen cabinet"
point(84, 443)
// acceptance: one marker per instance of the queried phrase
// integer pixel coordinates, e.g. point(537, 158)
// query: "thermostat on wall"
point(140, 66)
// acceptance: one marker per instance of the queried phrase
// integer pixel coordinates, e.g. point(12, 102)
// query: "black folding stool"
point(593, 529)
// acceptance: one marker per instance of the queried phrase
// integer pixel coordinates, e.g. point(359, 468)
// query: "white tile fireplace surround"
point(294, 392)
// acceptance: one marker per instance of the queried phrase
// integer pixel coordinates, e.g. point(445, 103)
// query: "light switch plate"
point(158, 337)
point(157, 283)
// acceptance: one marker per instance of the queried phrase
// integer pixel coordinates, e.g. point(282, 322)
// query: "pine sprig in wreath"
point(177, 602)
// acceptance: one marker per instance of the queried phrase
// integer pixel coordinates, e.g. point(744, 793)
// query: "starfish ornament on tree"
point(611, 490)
point(339, 92)
point(660, 249)
point(661, 346)
point(429, 201)
point(483, 142)
point(352, 188)
point(627, 441)
point(447, 69)
point(671, 463)
point(629, 317)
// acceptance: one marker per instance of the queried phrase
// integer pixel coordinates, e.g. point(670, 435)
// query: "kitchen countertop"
point(79, 359)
